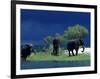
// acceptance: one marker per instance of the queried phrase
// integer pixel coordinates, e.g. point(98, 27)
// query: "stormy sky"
point(37, 24)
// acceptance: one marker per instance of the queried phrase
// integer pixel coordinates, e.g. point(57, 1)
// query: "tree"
point(48, 40)
point(62, 39)
point(75, 32)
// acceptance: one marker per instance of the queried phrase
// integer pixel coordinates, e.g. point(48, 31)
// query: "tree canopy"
point(75, 32)
point(48, 40)
point(72, 32)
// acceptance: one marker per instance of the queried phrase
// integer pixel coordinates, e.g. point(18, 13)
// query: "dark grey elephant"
point(26, 50)
point(56, 43)
point(75, 44)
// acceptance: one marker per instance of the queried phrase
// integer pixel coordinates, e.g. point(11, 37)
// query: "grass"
point(46, 56)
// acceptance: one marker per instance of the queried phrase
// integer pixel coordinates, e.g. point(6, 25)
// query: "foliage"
point(75, 32)
point(48, 40)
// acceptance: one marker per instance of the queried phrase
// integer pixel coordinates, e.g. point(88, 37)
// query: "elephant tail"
point(83, 49)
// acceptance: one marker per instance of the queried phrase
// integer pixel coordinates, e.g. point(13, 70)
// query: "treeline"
point(72, 32)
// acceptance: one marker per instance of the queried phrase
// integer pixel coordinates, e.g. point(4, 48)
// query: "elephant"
point(56, 43)
point(75, 44)
point(26, 50)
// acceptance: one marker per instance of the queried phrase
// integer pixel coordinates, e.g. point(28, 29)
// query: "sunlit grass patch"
point(46, 56)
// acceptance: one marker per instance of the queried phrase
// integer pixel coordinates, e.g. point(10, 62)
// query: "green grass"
point(46, 56)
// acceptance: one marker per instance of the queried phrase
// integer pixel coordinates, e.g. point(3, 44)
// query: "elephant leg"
point(54, 51)
point(69, 52)
point(57, 51)
point(73, 53)
point(76, 51)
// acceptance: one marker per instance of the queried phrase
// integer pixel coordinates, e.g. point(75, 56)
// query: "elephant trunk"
point(83, 48)
point(82, 44)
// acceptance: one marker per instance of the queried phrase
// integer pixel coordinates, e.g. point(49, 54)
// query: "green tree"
point(62, 39)
point(48, 40)
point(75, 32)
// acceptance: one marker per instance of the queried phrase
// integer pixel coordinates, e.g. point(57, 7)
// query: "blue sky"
point(37, 24)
